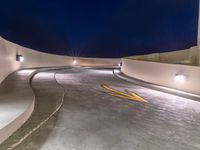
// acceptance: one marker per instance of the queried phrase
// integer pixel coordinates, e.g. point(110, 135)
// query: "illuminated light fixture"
point(180, 78)
point(120, 64)
point(74, 61)
point(19, 58)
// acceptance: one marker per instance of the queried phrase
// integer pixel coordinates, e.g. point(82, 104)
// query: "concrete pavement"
point(93, 120)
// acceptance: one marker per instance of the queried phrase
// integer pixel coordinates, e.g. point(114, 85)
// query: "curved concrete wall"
point(164, 74)
point(9, 129)
point(17, 104)
point(187, 56)
point(32, 58)
point(7, 59)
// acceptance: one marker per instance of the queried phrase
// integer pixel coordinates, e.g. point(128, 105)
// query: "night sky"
point(100, 28)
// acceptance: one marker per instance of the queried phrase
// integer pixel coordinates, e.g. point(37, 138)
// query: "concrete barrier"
point(187, 56)
point(10, 128)
point(164, 74)
point(32, 58)
point(16, 102)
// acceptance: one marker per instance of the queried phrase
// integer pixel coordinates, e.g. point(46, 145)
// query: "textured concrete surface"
point(93, 120)
point(48, 95)
point(16, 102)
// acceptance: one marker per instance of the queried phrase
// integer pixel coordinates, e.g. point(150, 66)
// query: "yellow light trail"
point(128, 95)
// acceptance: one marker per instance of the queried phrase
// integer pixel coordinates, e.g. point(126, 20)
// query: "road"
point(91, 119)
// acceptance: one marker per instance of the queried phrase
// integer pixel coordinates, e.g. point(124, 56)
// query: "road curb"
point(117, 73)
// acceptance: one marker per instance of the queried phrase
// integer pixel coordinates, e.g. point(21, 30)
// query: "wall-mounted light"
point(120, 64)
point(74, 61)
point(19, 58)
point(180, 78)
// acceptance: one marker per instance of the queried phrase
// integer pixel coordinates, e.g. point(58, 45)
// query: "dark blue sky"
point(100, 28)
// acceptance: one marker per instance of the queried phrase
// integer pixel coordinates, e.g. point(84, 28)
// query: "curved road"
point(93, 120)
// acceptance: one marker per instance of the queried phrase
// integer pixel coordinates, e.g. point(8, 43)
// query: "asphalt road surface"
point(91, 119)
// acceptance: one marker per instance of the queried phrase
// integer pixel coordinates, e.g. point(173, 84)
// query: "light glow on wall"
point(26, 71)
point(180, 78)
point(74, 61)
point(116, 71)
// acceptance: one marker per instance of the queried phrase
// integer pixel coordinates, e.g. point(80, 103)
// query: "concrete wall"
point(7, 59)
point(10, 128)
point(32, 58)
point(164, 74)
point(187, 56)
